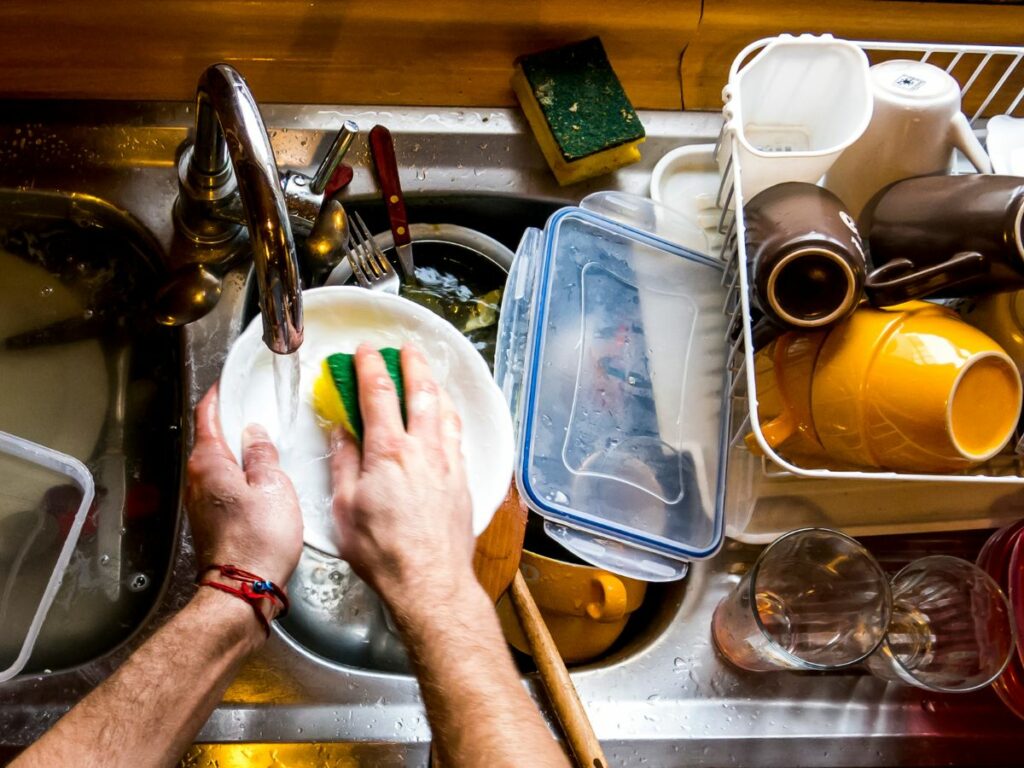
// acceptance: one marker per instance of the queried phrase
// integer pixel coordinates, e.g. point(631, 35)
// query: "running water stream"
point(286, 390)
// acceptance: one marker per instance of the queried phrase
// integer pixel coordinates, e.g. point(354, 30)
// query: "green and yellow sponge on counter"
point(336, 391)
point(581, 116)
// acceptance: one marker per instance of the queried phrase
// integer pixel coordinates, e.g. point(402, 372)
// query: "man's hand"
point(404, 516)
point(402, 505)
point(149, 711)
point(245, 517)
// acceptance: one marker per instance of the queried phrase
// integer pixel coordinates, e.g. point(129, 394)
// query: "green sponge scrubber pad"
point(336, 390)
point(577, 109)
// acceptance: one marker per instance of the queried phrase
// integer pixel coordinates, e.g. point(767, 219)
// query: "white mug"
point(793, 108)
point(916, 124)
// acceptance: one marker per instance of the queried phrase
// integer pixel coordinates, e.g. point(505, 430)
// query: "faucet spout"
point(232, 152)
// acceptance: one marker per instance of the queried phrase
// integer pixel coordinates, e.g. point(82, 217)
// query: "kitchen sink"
point(103, 384)
point(662, 696)
point(334, 615)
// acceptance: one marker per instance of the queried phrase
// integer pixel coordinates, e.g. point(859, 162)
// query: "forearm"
point(148, 712)
point(476, 703)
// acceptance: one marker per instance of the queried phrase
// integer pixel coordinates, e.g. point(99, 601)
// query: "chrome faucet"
point(228, 181)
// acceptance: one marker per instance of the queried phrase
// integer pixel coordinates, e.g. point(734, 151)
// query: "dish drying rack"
point(974, 67)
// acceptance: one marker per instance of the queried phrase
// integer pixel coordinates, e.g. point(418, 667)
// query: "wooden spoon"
point(496, 562)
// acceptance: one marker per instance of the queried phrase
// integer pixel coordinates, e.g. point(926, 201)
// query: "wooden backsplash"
point(456, 52)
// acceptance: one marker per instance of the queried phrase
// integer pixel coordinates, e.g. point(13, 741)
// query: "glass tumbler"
point(951, 630)
point(815, 599)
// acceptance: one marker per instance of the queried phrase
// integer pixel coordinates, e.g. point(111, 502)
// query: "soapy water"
point(468, 304)
point(458, 284)
point(80, 290)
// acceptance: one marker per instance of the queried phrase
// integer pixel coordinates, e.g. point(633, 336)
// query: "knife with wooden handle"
point(382, 149)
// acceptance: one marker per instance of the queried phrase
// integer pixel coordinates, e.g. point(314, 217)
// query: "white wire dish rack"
point(768, 495)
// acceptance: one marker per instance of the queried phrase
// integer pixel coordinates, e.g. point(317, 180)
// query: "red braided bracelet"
point(253, 590)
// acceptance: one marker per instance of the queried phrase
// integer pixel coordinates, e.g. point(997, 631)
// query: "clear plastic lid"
point(615, 338)
point(45, 497)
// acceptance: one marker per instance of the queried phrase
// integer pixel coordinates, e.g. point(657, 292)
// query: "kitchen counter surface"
point(662, 698)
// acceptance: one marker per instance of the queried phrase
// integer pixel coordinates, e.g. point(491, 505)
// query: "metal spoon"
point(191, 292)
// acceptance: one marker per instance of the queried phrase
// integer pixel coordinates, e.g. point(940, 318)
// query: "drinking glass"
point(815, 599)
point(951, 629)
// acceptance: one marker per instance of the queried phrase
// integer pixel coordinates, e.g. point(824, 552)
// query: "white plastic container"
point(45, 497)
point(794, 107)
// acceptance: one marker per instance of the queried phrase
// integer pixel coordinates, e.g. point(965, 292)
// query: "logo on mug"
point(908, 82)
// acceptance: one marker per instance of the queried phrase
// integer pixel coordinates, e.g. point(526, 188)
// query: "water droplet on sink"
point(138, 582)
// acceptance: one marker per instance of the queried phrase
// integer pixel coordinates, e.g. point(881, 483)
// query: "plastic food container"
point(610, 352)
point(45, 496)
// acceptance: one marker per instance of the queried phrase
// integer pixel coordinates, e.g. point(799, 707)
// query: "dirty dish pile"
point(851, 226)
point(459, 276)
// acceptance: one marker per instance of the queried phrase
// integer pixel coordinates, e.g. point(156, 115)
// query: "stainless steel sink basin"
point(334, 615)
point(103, 385)
point(662, 697)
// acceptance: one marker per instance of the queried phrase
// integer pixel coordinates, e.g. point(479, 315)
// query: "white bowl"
point(1006, 145)
point(338, 319)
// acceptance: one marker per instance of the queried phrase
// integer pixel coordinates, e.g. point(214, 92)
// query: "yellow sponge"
point(336, 391)
point(575, 105)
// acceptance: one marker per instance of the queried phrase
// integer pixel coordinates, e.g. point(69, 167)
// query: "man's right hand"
point(402, 504)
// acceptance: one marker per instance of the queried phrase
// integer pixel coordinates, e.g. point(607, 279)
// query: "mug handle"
point(609, 603)
point(776, 432)
point(897, 282)
point(963, 138)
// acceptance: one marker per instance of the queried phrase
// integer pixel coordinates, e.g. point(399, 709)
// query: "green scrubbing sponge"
point(336, 392)
point(581, 116)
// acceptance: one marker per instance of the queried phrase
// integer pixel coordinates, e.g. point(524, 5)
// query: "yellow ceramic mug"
point(585, 608)
point(1001, 316)
point(913, 388)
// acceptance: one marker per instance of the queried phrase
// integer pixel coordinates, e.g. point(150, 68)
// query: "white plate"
point(338, 319)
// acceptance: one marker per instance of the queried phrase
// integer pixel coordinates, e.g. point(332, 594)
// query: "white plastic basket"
point(973, 66)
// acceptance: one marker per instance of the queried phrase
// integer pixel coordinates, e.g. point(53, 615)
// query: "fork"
point(369, 264)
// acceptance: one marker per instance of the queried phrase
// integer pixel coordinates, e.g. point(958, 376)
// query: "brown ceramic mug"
point(806, 257)
point(944, 236)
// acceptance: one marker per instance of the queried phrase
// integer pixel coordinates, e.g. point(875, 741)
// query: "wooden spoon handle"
point(561, 692)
